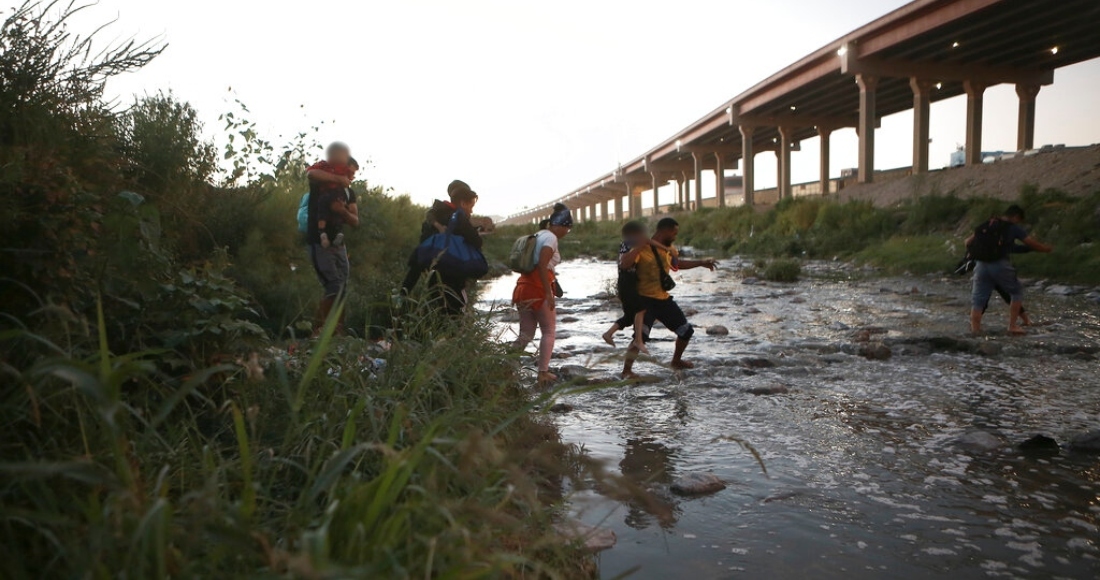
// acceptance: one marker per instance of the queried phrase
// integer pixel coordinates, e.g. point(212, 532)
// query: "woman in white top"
point(534, 295)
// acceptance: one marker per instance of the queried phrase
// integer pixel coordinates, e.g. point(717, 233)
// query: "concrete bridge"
point(923, 52)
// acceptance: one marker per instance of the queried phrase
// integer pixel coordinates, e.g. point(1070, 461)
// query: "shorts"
point(529, 293)
point(331, 266)
point(668, 313)
point(990, 275)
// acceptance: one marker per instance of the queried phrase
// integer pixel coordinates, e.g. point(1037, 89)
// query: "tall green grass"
point(326, 465)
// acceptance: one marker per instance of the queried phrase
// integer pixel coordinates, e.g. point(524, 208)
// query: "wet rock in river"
point(989, 348)
point(561, 408)
point(691, 311)
point(875, 351)
point(757, 363)
point(752, 310)
point(768, 390)
point(568, 319)
point(838, 325)
point(750, 281)
point(717, 330)
point(798, 300)
point(1093, 296)
point(980, 441)
point(1039, 444)
point(1086, 443)
point(573, 372)
point(1061, 290)
point(697, 484)
point(595, 539)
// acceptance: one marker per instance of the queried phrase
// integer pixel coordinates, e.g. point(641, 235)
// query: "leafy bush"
point(155, 429)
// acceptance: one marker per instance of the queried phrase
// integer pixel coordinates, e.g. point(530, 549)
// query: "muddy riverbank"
point(890, 436)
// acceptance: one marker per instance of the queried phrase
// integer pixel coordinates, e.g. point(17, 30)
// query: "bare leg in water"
point(545, 318)
point(639, 340)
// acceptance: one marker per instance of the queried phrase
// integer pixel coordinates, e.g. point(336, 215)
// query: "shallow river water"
point(865, 478)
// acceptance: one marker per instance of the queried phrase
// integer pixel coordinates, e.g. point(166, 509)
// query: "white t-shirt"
point(547, 239)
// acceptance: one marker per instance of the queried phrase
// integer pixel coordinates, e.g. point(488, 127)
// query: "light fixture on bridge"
point(843, 50)
point(678, 144)
point(939, 86)
point(1054, 50)
point(955, 45)
point(794, 108)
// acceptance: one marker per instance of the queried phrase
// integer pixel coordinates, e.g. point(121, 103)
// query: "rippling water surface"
point(863, 479)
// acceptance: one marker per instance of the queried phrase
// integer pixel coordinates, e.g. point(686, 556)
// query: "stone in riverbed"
point(1087, 442)
point(797, 300)
point(1061, 290)
point(752, 310)
point(560, 408)
point(981, 441)
point(757, 363)
point(593, 538)
point(573, 371)
point(750, 281)
point(875, 351)
point(697, 484)
point(691, 311)
point(717, 330)
point(568, 319)
point(1039, 444)
point(768, 390)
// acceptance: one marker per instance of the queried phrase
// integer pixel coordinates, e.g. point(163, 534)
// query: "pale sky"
point(529, 101)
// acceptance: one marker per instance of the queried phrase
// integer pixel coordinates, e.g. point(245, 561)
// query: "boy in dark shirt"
point(339, 164)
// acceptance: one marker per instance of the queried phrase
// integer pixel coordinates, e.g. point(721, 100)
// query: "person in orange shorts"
point(537, 291)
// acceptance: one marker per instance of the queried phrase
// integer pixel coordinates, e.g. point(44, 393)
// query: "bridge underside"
point(924, 52)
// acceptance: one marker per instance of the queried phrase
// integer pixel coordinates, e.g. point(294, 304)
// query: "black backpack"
point(990, 241)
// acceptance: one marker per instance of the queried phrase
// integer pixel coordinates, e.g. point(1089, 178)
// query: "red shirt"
point(342, 170)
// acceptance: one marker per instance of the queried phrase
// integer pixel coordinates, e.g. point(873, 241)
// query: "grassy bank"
point(918, 236)
point(159, 416)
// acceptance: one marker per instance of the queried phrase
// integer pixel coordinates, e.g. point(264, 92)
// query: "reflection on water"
point(862, 478)
point(647, 462)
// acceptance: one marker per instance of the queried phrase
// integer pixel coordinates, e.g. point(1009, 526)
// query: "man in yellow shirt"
point(659, 305)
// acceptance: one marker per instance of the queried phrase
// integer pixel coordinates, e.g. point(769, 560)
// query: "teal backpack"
point(303, 214)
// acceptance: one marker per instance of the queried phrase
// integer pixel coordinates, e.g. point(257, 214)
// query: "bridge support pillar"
point(720, 179)
point(785, 134)
point(619, 207)
point(824, 133)
point(922, 97)
point(698, 157)
point(1025, 127)
point(868, 84)
point(974, 98)
point(748, 162)
point(603, 211)
point(656, 193)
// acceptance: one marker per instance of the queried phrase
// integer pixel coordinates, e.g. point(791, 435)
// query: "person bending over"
point(990, 245)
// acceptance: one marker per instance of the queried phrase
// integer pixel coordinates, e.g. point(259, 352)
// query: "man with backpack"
point(330, 196)
point(990, 246)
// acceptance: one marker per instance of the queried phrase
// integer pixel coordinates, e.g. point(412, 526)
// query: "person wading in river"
point(652, 267)
point(990, 246)
point(537, 291)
